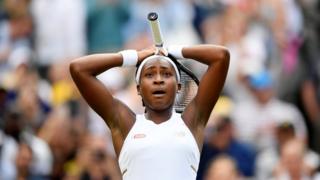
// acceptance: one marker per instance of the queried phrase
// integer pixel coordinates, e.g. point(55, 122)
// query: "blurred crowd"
point(266, 124)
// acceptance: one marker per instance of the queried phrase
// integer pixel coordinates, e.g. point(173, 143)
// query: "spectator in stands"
point(222, 168)
point(15, 42)
point(59, 32)
point(291, 164)
point(267, 159)
point(255, 120)
point(221, 140)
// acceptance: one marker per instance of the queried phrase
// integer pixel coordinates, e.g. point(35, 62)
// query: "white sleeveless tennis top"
point(166, 151)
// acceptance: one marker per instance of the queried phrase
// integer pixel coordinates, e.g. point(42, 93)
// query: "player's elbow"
point(74, 67)
point(224, 55)
point(223, 59)
point(218, 53)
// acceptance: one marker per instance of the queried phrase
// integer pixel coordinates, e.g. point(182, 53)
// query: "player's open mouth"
point(159, 93)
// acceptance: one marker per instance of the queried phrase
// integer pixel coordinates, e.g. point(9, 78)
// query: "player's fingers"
point(157, 51)
point(163, 51)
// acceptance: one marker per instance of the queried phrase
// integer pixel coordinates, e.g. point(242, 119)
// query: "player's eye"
point(148, 75)
point(167, 74)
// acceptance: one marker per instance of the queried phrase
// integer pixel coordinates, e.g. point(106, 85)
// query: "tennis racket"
point(189, 81)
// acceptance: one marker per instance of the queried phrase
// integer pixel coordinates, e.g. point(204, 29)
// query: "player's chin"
point(161, 105)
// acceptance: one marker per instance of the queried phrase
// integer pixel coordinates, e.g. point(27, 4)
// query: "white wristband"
point(176, 51)
point(129, 57)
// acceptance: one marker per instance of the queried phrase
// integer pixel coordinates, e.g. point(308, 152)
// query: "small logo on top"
point(139, 136)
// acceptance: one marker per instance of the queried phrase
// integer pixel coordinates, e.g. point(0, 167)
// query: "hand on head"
point(149, 51)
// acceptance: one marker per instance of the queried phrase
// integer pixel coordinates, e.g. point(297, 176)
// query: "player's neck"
point(159, 117)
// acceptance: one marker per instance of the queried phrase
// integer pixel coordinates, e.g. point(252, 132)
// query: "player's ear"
point(138, 89)
point(179, 86)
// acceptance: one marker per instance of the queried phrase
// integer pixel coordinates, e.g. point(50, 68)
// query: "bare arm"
point(117, 115)
point(217, 58)
point(309, 99)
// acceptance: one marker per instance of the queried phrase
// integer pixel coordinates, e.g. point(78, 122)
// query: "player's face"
point(158, 84)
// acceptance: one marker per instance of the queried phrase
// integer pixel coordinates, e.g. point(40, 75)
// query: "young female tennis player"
point(159, 144)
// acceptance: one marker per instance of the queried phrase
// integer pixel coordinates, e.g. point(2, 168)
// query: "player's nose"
point(158, 79)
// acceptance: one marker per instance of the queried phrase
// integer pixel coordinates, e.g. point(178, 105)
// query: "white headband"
point(156, 57)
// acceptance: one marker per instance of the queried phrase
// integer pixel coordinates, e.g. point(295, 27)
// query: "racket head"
point(189, 86)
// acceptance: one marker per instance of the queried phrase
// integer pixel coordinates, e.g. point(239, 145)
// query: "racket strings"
point(187, 92)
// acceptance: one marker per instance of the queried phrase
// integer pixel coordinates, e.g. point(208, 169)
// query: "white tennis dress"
point(166, 151)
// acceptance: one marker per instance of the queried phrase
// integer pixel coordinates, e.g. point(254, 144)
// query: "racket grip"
point(155, 27)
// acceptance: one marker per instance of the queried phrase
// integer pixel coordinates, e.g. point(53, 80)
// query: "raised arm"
point(117, 115)
point(217, 58)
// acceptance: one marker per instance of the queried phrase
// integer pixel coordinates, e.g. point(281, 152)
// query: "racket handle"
point(155, 28)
